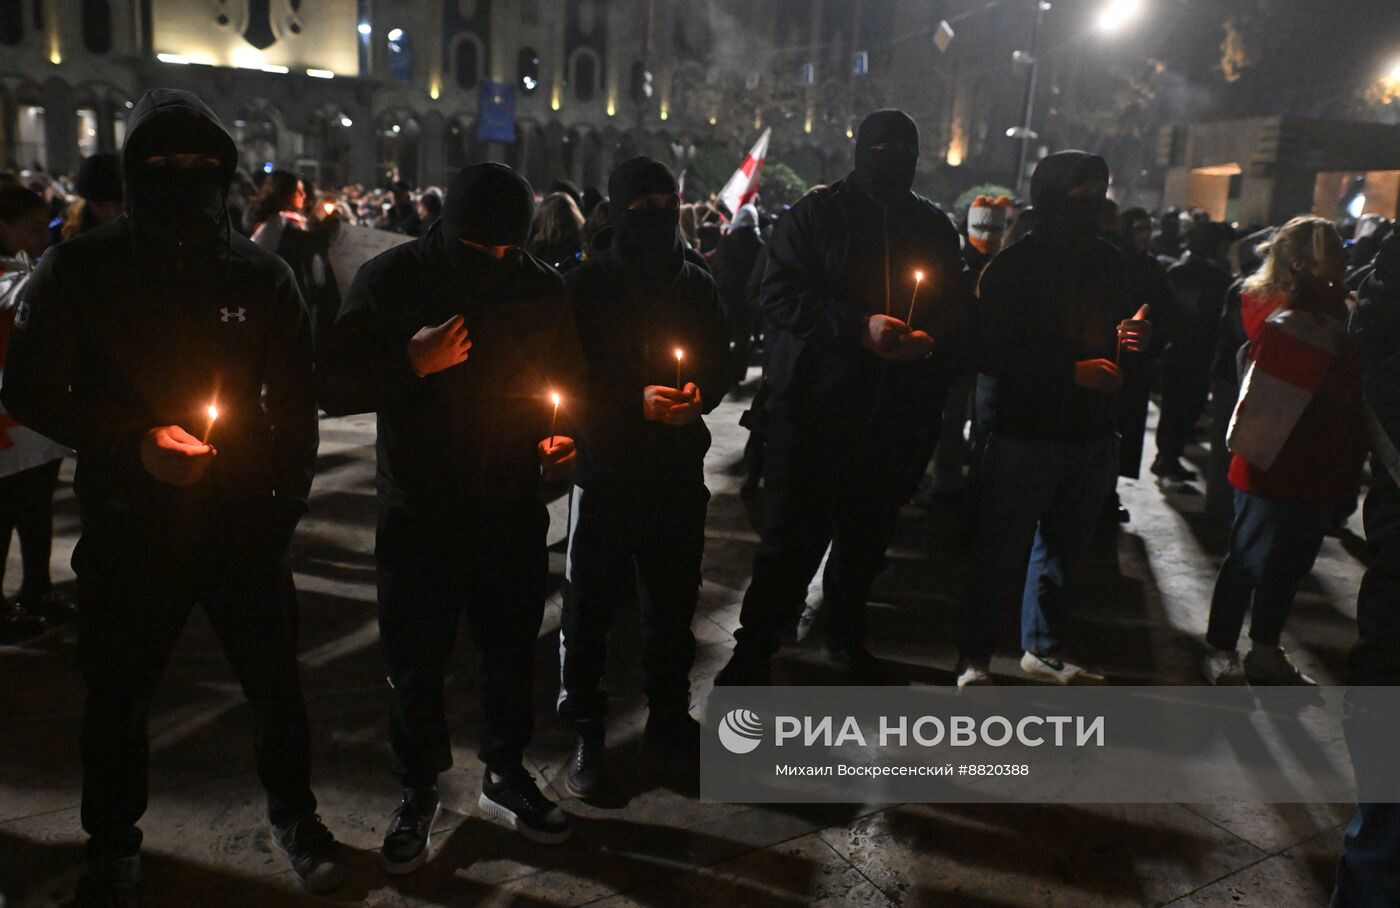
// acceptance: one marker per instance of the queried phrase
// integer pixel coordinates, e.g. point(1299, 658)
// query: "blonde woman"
point(1298, 441)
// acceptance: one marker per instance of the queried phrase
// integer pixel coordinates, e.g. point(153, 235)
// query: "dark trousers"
point(129, 622)
point(1273, 544)
point(26, 507)
point(1041, 497)
point(652, 544)
point(823, 490)
point(1185, 390)
point(1220, 495)
point(491, 561)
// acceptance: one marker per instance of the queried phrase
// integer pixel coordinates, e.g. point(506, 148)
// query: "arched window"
point(466, 61)
point(585, 75)
point(97, 26)
point(11, 21)
point(527, 70)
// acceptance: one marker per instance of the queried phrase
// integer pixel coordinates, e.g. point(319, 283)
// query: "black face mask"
point(478, 271)
point(647, 236)
point(186, 204)
point(886, 175)
point(1078, 216)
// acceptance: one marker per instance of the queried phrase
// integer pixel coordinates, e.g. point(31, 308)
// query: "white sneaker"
point(1270, 665)
point(1058, 670)
point(1222, 667)
point(975, 673)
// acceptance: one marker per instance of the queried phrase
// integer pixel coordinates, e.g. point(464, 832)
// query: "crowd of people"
point(186, 331)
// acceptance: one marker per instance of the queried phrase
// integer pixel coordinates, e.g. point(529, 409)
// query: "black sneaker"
point(745, 670)
point(18, 624)
point(313, 853)
point(410, 831)
point(857, 661)
point(517, 802)
point(673, 730)
point(111, 881)
point(52, 605)
point(587, 765)
point(1172, 470)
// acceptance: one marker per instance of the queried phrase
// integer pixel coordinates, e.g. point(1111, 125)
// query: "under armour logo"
point(235, 315)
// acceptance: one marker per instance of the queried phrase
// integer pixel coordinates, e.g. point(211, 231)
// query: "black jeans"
point(823, 490)
point(652, 544)
point(131, 616)
point(1185, 389)
point(26, 507)
point(489, 559)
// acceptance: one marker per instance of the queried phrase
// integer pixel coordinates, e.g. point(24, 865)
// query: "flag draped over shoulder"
point(1287, 364)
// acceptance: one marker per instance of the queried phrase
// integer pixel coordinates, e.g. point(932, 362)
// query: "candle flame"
point(918, 277)
point(330, 207)
point(680, 354)
point(555, 398)
point(213, 412)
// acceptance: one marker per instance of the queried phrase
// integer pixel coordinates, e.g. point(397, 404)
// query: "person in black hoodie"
point(1050, 326)
point(656, 347)
point(457, 340)
point(1190, 326)
point(856, 388)
point(1367, 872)
point(128, 336)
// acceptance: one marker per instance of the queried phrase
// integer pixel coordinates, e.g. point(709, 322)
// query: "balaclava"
point(490, 205)
point(1061, 216)
point(887, 153)
point(648, 238)
point(183, 206)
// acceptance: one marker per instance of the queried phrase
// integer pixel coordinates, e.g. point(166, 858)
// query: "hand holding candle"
point(554, 417)
point(680, 355)
point(918, 282)
point(174, 456)
point(213, 412)
point(1135, 334)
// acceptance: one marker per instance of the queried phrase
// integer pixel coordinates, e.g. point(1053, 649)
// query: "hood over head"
point(887, 154)
point(184, 206)
point(488, 205)
point(1060, 212)
point(746, 218)
point(647, 238)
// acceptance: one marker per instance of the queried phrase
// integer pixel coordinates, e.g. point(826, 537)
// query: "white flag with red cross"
point(743, 186)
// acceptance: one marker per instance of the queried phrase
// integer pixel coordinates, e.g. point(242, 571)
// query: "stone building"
point(354, 90)
point(1264, 170)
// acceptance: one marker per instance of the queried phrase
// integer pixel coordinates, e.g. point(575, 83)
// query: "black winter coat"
point(116, 336)
point(836, 258)
point(1042, 308)
point(469, 432)
point(629, 333)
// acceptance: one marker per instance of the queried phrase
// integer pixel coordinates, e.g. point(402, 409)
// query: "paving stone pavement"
point(1145, 594)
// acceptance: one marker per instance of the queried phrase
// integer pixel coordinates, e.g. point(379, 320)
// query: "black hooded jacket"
point(467, 433)
point(629, 328)
point(836, 258)
point(127, 327)
point(1045, 303)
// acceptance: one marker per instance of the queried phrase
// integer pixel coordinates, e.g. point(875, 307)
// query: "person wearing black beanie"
point(865, 297)
point(456, 341)
point(99, 189)
point(656, 347)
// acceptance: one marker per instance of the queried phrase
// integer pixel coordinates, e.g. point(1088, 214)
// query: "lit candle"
point(680, 355)
point(918, 282)
point(213, 412)
point(553, 419)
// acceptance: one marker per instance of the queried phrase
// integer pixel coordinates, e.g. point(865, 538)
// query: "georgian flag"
point(743, 186)
point(1287, 363)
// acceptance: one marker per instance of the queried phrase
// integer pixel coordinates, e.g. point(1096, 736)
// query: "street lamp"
point(1024, 132)
point(1118, 13)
